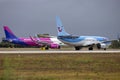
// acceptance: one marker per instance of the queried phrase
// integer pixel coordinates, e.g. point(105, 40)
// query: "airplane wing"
point(44, 43)
point(38, 42)
point(109, 41)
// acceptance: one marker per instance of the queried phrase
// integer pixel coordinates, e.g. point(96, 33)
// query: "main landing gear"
point(44, 48)
point(77, 47)
point(90, 48)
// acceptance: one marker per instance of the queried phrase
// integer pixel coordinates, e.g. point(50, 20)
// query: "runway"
point(52, 52)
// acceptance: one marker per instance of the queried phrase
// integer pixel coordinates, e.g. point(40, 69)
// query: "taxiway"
point(52, 52)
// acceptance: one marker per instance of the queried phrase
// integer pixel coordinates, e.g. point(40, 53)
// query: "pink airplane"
point(51, 42)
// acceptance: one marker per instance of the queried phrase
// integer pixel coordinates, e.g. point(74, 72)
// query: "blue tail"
point(8, 33)
point(60, 28)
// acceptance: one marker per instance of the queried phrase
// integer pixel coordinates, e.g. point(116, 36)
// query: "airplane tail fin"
point(60, 28)
point(8, 33)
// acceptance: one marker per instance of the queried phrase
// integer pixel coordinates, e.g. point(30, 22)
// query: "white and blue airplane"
point(80, 41)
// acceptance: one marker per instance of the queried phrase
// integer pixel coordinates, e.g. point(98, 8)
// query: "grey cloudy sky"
point(80, 17)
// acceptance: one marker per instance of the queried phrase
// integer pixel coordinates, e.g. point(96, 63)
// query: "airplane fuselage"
point(82, 40)
point(29, 42)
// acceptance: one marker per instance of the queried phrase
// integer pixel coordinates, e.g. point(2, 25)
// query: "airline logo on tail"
point(59, 29)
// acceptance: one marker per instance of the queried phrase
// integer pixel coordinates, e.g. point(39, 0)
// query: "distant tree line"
point(4, 44)
point(115, 44)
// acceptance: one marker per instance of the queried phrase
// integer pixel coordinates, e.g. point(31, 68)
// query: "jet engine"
point(54, 46)
point(101, 46)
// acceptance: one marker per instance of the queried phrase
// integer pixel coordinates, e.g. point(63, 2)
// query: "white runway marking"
point(43, 52)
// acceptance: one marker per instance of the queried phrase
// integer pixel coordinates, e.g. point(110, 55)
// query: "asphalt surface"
point(52, 52)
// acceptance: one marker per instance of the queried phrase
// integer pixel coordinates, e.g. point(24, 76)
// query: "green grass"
point(60, 67)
